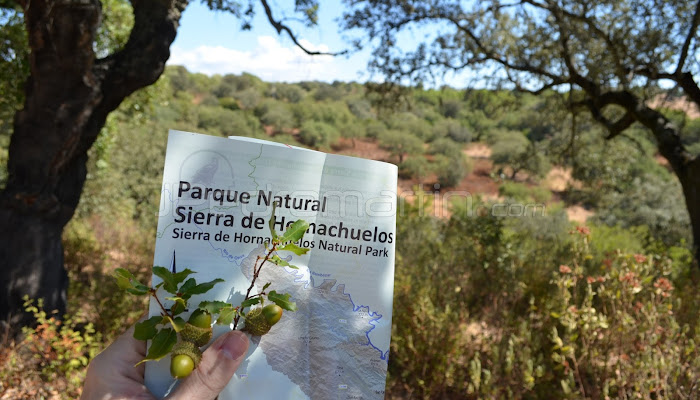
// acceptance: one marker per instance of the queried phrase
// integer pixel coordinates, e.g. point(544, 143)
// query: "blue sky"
point(213, 43)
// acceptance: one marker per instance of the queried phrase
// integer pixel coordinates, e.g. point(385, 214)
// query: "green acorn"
point(255, 323)
point(272, 313)
point(198, 329)
point(185, 358)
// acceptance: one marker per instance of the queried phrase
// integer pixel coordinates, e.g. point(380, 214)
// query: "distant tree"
point(318, 134)
point(353, 131)
point(452, 129)
point(328, 92)
point(445, 146)
point(400, 144)
point(415, 167)
point(276, 114)
point(513, 150)
point(287, 92)
point(612, 56)
point(451, 108)
point(451, 169)
point(360, 108)
point(74, 82)
point(411, 124)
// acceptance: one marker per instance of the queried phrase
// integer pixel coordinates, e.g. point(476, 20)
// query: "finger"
point(218, 365)
point(112, 374)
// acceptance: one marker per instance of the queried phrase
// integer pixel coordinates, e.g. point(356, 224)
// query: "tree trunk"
point(68, 97)
point(685, 165)
point(691, 189)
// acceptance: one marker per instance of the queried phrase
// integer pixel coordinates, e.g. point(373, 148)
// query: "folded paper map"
point(217, 199)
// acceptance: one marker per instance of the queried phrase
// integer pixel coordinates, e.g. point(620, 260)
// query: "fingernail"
point(234, 345)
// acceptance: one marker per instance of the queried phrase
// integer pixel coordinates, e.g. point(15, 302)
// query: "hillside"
point(532, 261)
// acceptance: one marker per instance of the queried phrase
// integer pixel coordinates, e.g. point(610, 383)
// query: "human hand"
point(112, 375)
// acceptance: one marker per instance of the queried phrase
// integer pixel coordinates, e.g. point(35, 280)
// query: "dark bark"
point(68, 97)
point(685, 165)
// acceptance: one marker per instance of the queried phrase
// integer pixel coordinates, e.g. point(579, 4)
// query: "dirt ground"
point(478, 182)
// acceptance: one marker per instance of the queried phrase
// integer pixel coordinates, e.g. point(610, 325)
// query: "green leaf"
point(189, 284)
point(161, 345)
point(294, 249)
point(271, 223)
point(199, 289)
point(275, 259)
point(295, 231)
point(123, 278)
point(123, 283)
point(226, 315)
point(178, 323)
point(168, 279)
point(282, 300)
point(179, 306)
point(213, 307)
point(127, 281)
point(146, 330)
point(267, 285)
point(138, 289)
point(250, 302)
point(182, 275)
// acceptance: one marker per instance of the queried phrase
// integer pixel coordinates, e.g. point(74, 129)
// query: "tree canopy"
point(81, 60)
point(608, 57)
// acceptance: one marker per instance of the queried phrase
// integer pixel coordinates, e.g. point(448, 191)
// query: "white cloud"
point(270, 61)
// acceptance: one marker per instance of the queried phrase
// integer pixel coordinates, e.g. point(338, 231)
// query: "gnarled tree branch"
point(280, 27)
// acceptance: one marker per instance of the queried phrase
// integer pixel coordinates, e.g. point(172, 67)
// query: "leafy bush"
point(414, 167)
point(399, 144)
point(451, 169)
point(286, 92)
point(409, 123)
point(51, 358)
point(375, 129)
point(451, 108)
point(317, 134)
point(277, 115)
point(446, 147)
point(513, 150)
point(452, 129)
point(652, 202)
point(328, 92)
point(353, 131)
point(523, 192)
point(485, 326)
point(360, 108)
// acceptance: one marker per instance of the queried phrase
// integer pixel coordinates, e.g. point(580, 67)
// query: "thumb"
point(218, 364)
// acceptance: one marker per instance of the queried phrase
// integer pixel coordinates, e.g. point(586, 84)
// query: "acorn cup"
point(198, 328)
point(186, 353)
point(259, 320)
point(185, 358)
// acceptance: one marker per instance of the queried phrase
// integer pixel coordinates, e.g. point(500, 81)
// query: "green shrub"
point(400, 144)
point(452, 129)
point(445, 147)
point(513, 150)
point(318, 134)
point(353, 131)
point(523, 192)
point(409, 123)
point(414, 167)
point(497, 320)
point(59, 350)
point(451, 169)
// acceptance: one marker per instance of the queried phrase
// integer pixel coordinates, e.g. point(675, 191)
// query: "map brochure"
point(217, 200)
